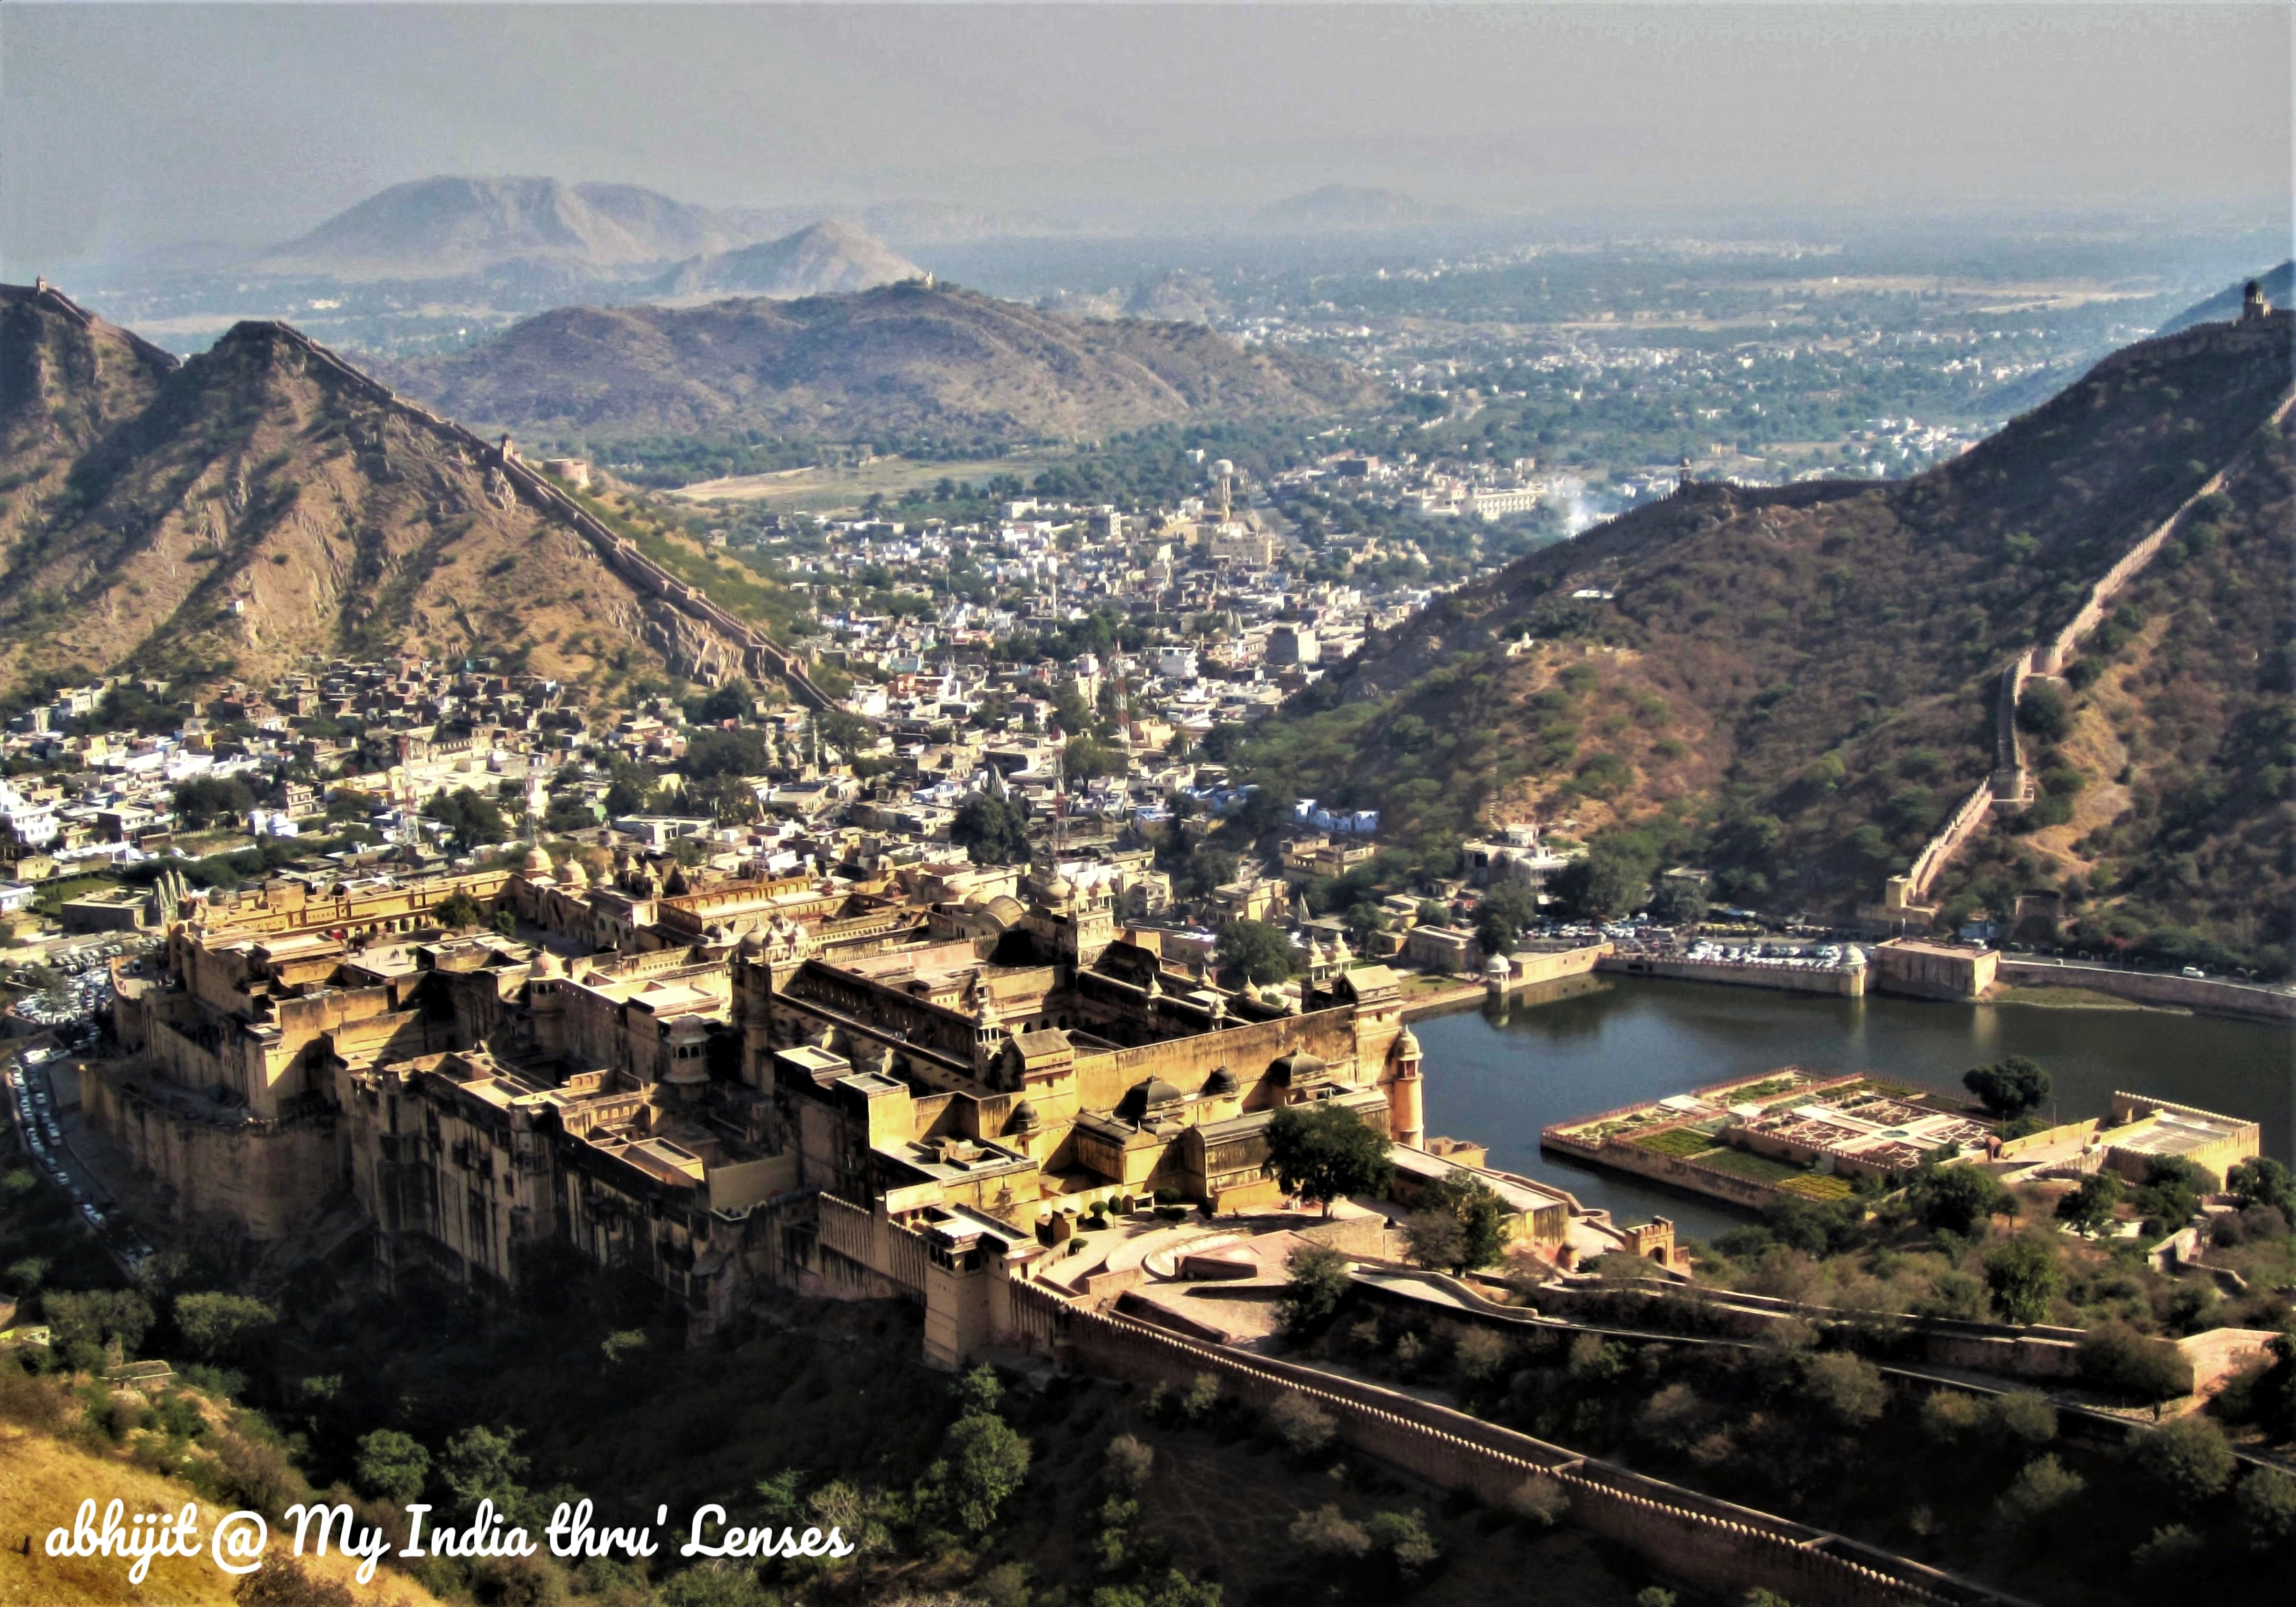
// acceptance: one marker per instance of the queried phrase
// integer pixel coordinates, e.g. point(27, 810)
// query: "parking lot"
point(46, 1130)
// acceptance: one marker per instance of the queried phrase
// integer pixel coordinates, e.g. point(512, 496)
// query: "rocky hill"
point(823, 258)
point(902, 359)
point(263, 500)
point(1793, 685)
point(440, 228)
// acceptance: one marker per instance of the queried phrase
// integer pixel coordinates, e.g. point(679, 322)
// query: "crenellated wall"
point(1713, 1543)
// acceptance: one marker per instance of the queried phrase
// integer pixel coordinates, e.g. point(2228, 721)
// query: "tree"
point(482, 1464)
point(2042, 711)
point(95, 1316)
point(1459, 1224)
point(1404, 1538)
point(1087, 759)
point(392, 1466)
point(1505, 910)
point(987, 1461)
point(2188, 1456)
point(2009, 1087)
point(1957, 1199)
point(1322, 1151)
point(1319, 1281)
point(2023, 1274)
point(207, 801)
point(570, 812)
point(218, 1327)
point(630, 788)
point(458, 911)
point(711, 754)
point(2023, 1417)
point(1609, 881)
point(1327, 1532)
point(730, 701)
point(2089, 1208)
point(1257, 949)
point(1849, 1388)
point(991, 830)
point(1299, 1426)
point(1131, 1461)
point(2172, 1188)
point(2260, 1180)
point(470, 819)
point(847, 733)
point(2040, 1487)
point(2267, 1499)
point(2117, 1359)
point(1681, 902)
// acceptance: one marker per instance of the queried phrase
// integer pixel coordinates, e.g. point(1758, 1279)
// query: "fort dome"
point(1144, 1099)
point(1293, 1069)
point(1221, 1081)
point(538, 862)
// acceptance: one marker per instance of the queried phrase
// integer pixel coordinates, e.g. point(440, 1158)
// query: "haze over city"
point(124, 127)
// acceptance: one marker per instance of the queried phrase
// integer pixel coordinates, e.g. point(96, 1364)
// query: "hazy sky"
point(127, 126)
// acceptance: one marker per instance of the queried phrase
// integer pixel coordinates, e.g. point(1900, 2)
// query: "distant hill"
point(439, 228)
point(822, 258)
point(900, 359)
point(1791, 686)
point(2278, 285)
point(1346, 207)
point(914, 223)
point(263, 501)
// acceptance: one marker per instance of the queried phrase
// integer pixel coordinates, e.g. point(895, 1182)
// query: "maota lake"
point(1498, 1079)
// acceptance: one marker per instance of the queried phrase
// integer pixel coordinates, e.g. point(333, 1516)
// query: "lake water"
point(1498, 1080)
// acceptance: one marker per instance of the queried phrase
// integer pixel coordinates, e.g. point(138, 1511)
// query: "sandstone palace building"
point(802, 1083)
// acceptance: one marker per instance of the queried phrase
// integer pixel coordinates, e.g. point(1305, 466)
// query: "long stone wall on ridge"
point(2008, 783)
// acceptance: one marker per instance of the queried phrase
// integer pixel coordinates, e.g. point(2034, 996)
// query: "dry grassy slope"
point(899, 359)
point(62, 387)
point(256, 507)
point(2183, 742)
point(42, 1483)
point(1792, 665)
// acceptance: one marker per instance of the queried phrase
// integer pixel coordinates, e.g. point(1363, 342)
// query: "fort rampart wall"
point(1713, 1543)
point(258, 1172)
point(2207, 994)
point(2008, 783)
point(1836, 981)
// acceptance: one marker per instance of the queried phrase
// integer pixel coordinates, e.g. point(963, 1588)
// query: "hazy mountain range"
point(451, 227)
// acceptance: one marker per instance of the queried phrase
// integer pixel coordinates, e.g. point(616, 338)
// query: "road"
point(46, 1132)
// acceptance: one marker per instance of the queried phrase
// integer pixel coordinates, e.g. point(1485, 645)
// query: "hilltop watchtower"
point(2252, 304)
